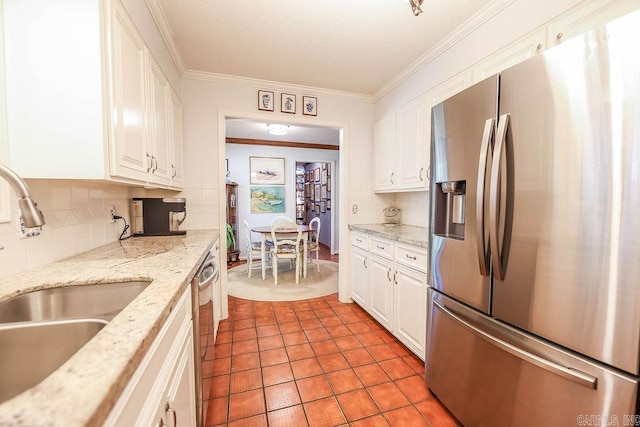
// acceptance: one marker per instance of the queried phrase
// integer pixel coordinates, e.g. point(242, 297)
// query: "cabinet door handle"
point(149, 163)
point(392, 173)
point(155, 162)
point(395, 282)
point(358, 240)
point(173, 168)
point(172, 417)
point(364, 261)
point(420, 173)
point(389, 274)
point(559, 38)
point(411, 257)
point(380, 247)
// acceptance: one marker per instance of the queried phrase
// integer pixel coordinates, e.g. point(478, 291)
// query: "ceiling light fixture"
point(415, 6)
point(278, 129)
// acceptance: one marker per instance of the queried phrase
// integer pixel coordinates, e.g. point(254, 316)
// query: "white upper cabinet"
point(413, 145)
point(586, 17)
point(127, 54)
point(177, 153)
point(159, 129)
point(521, 49)
point(384, 153)
point(85, 99)
point(401, 148)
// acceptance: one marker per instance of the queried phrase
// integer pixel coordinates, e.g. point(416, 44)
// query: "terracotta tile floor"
point(315, 362)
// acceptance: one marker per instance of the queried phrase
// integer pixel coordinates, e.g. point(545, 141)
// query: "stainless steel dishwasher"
point(202, 306)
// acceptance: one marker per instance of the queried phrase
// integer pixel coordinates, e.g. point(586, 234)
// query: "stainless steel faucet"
point(30, 212)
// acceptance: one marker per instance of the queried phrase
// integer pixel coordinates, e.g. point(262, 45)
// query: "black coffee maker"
point(158, 216)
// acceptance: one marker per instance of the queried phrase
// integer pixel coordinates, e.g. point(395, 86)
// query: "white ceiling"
point(355, 46)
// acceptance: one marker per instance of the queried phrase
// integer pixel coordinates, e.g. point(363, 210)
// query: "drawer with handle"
point(412, 256)
point(381, 247)
point(360, 240)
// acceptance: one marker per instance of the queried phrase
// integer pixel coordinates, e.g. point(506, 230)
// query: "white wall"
point(206, 104)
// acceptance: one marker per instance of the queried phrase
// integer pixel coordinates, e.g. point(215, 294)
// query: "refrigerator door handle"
point(571, 374)
point(487, 136)
point(494, 198)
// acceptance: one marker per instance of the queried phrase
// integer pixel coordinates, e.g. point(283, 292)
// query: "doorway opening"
point(315, 197)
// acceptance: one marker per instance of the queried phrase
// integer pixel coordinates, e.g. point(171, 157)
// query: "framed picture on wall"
point(325, 177)
point(323, 207)
point(323, 192)
point(288, 103)
point(328, 204)
point(317, 209)
point(265, 100)
point(317, 193)
point(266, 170)
point(316, 174)
point(309, 106)
point(267, 199)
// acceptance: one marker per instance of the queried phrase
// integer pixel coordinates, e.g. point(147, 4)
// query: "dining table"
point(265, 233)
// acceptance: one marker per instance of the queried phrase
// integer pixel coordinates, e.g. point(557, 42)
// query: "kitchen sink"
point(31, 351)
point(103, 301)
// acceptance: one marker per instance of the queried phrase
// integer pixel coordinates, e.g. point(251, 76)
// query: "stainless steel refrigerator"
point(534, 305)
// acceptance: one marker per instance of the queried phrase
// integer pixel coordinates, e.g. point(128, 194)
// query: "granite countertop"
point(83, 391)
point(409, 234)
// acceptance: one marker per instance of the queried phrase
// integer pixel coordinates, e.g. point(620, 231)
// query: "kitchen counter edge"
point(408, 234)
point(83, 391)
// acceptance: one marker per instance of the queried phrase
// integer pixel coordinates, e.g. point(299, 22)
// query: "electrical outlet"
point(112, 214)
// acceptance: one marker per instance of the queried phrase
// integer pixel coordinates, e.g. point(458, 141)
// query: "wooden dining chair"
point(286, 238)
point(312, 243)
point(253, 249)
point(279, 219)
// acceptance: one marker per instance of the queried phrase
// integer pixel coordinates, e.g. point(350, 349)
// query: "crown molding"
point(278, 86)
point(165, 33)
point(469, 26)
point(473, 23)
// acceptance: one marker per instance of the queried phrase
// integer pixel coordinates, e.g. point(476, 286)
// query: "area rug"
point(314, 285)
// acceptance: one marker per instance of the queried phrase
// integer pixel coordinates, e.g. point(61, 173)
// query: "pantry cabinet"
point(162, 389)
point(389, 281)
point(103, 107)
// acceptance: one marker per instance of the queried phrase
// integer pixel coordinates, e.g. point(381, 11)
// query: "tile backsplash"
point(78, 219)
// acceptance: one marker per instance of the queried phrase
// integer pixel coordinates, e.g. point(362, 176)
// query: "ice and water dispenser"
point(450, 209)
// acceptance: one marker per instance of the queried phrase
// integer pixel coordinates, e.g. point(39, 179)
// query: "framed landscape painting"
point(266, 170)
point(267, 199)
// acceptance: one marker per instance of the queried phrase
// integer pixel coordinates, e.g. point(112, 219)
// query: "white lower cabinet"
point(382, 290)
point(162, 390)
point(389, 280)
point(411, 308)
point(360, 291)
